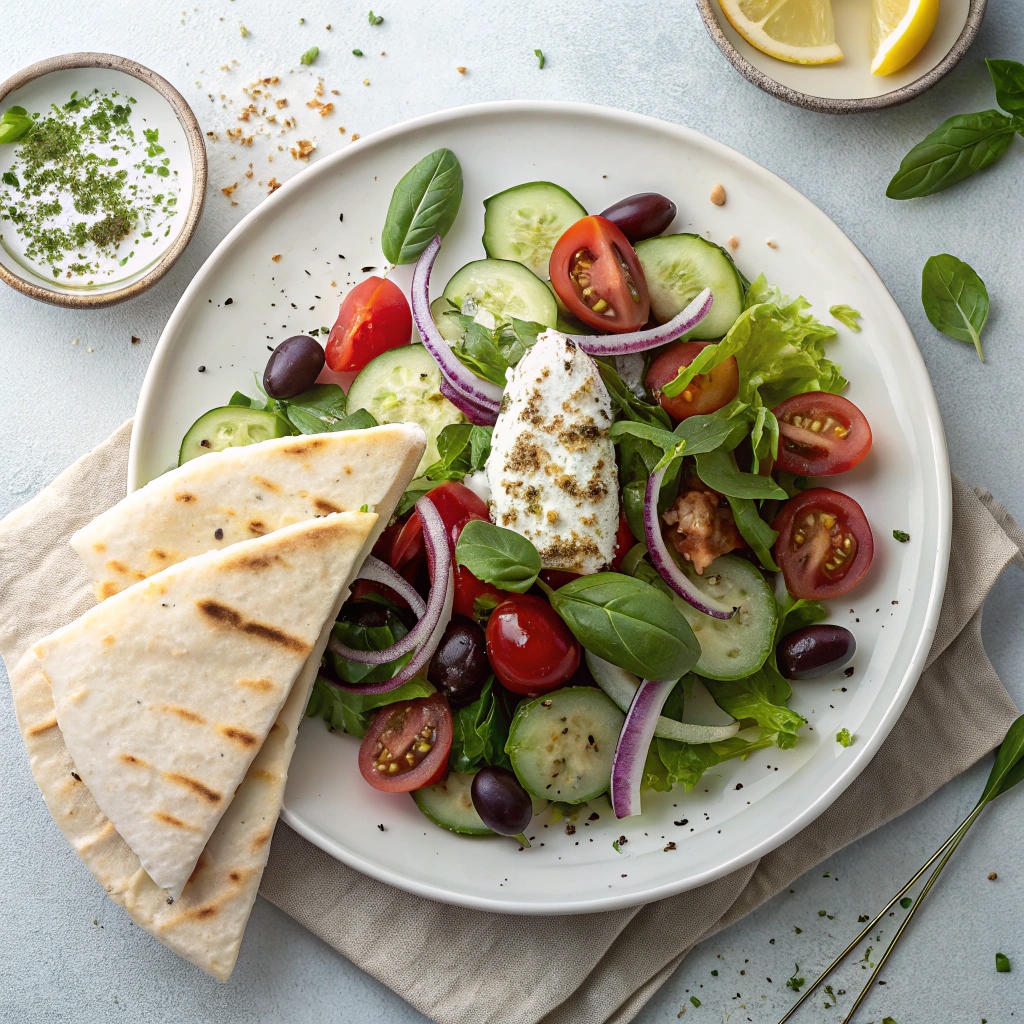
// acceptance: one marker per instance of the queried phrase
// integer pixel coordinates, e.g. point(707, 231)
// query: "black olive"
point(502, 803)
point(642, 216)
point(815, 651)
point(459, 666)
point(293, 367)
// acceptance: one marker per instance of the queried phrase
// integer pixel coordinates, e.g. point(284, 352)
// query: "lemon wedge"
point(799, 31)
point(899, 29)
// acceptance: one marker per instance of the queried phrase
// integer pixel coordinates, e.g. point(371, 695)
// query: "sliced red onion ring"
point(666, 564)
point(634, 742)
point(476, 414)
point(426, 634)
point(640, 341)
point(483, 393)
point(380, 572)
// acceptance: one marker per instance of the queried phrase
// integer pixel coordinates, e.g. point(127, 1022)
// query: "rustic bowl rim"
point(197, 154)
point(837, 105)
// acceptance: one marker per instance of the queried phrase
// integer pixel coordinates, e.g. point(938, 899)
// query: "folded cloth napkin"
point(583, 969)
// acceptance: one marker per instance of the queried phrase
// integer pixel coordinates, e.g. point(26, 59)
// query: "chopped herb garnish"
point(695, 1000)
point(843, 738)
point(861, 918)
point(795, 983)
point(846, 315)
point(1002, 963)
point(541, 59)
point(901, 535)
point(714, 974)
point(799, 931)
point(375, 19)
point(364, 508)
point(243, 31)
point(615, 846)
point(822, 913)
point(357, 52)
point(310, 55)
point(906, 902)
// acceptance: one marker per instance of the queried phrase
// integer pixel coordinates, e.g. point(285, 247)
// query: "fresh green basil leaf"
point(708, 433)
point(632, 407)
point(479, 733)
point(361, 419)
point(658, 435)
point(352, 712)
point(367, 638)
point(319, 410)
point(463, 448)
point(959, 147)
point(754, 530)
point(846, 315)
point(498, 556)
point(1008, 79)
point(955, 299)
point(491, 352)
point(719, 471)
point(424, 204)
point(629, 623)
point(239, 399)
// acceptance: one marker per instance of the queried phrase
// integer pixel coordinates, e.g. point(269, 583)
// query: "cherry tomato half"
point(706, 393)
point(825, 545)
point(820, 434)
point(407, 745)
point(595, 272)
point(373, 318)
point(529, 647)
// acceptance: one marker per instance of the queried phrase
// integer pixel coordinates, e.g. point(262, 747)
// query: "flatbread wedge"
point(166, 691)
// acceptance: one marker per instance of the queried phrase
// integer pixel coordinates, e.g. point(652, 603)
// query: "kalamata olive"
point(815, 651)
point(459, 665)
point(642, 216)
point(502, 803)
point(293, 367)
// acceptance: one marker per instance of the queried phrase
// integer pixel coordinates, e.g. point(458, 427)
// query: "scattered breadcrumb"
point(734, 242)
point(229, 191)
point(718, 195)
point(90, 349)
point(355, 135)
point(992, 876)
point(461, 71)
point(74, 341)
point(273, 186)
point(366, 81)
point(772, 244)
point(341, 129)
point(276, 257)
point(302, 149)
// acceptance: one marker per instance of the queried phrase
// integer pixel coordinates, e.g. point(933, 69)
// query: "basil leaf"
point(479, 733)
point(955, 299)
point(707, 433)
point(424, 204)
point(629, 405)
point(352, 712)
point(239, 399)
point(663, 438)
point(318, 410)
point(491, 352)
point(956, 149)
point(1008, 78)
point(754, 530)
point(719, 471)
point(498, 556)
point(367, 638)
point(629, 623)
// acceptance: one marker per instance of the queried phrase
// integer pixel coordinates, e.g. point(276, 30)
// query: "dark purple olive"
point(293, 367)
point(642, 216)
point(502, 803)
point(459, 666)
point(815, 651)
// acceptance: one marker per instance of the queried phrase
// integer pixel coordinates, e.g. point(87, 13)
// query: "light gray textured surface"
point(66, 952)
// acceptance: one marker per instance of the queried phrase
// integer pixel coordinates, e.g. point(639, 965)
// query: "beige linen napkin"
point(583, 969)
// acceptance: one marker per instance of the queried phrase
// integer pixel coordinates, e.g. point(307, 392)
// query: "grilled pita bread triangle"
point(165, 693)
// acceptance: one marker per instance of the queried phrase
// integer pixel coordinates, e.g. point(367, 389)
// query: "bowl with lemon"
point(843, 56)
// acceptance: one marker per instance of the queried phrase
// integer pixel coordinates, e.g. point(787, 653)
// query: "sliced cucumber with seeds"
point(735, 647)
point(677, 267)
point(230, 426)
point(523, 223)
point(505, 289)
point(450, 805)
point(562, 744)
point(403, 385)
point(449, 326)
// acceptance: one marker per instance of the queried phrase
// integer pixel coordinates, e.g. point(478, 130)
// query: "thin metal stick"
point(955, 837)
point(917, 903)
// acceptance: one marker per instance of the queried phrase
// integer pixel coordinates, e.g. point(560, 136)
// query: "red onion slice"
point(480, 392)
point(634, 742)
point(378, 571)
point(476, 414)
point(640, 341)
point(426, 634)
point(666, 564)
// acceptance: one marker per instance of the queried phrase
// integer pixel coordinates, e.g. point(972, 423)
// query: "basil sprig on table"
point(423, 204)
point(500, 557)
point(955, 299)
point(965, 143)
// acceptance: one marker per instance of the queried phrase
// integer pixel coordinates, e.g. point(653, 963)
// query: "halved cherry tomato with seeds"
point(824, 546)
point(407, 745)
point(820, 434)
point(706, 393)
point(595, 272)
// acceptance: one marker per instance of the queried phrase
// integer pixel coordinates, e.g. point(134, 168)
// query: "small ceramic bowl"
point(156, 105)
point(848, 86)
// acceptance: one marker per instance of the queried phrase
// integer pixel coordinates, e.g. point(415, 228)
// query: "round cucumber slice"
point(523, 223)
point(677, 267)
point(736, 647)
point(230, 426)
point(505, 289)
point(562, 744)
point(403, 385)
point(450, 804)
point(447, 325)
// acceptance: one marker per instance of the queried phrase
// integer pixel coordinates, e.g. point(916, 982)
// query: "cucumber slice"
point(677, 267)
point(447, 325)
point(736, 647)
point(523, 223)
point(505, 289)
point(230, 426)
point(403, 385)
point(450, 805)
point(562, 744)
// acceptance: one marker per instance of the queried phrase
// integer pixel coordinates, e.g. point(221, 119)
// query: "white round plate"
point(740, 810)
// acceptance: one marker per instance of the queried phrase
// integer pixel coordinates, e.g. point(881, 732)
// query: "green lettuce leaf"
point(761, 697)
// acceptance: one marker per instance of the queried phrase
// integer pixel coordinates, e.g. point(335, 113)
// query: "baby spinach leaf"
point(352, 712)
point(367, 638)
point(498, 556)
point(632, 407)
point(629, 623)
point(424, 204)
point(959, 147)
point(479, 733)
point(955, 299)
point(754, 530)
point(719, 471)
point(1008, 78)
point(490, 352)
